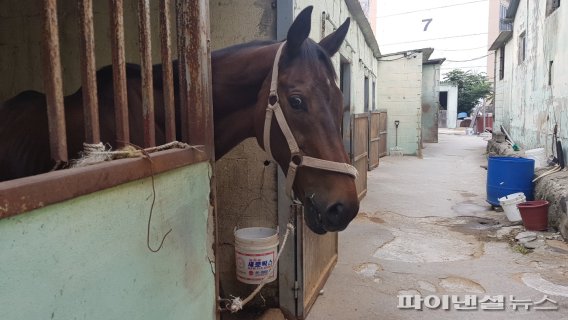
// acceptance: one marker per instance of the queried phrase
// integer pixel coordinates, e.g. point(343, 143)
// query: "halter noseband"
point(296, 158)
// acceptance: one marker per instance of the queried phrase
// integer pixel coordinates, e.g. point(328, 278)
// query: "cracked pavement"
point(425, 229)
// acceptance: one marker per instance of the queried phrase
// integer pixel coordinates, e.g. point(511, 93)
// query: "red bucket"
point(534, 214)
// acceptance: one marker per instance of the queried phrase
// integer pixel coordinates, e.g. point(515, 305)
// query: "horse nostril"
point(335, 213)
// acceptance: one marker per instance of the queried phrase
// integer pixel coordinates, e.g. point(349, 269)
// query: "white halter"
point(296, 159)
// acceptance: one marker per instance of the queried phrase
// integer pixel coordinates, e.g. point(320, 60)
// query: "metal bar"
point(119, 72)
point(182, 22)
point(167, 75)
point(146, 65)
point(194, 53)
point(53, 84)
point(89, 72)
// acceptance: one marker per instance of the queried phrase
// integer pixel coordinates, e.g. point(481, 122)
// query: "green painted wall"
point(87, 258)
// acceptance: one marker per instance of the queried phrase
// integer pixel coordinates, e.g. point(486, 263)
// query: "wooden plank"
point(383, 134)
point(89, 72)
point(145, 48)
point(319, 258)
point(374, 140)
point(119, 72)
point(53, 83)
point(29, 193)
point(360, 151)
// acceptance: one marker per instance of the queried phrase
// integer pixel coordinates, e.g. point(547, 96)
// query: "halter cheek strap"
point(296, 158)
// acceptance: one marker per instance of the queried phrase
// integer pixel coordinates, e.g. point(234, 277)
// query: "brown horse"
point(309, 98)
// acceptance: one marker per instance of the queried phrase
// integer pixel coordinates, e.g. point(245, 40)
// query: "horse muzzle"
point(333, 218)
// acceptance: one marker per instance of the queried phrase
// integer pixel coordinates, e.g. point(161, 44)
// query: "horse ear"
point(333, 42)
point(299, 30)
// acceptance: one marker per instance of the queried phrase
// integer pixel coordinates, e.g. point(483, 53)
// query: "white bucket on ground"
point(509, 205)
point(255, 253)
point(539, 156)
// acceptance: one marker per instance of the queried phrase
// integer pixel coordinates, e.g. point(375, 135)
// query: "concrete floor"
point(425, 229)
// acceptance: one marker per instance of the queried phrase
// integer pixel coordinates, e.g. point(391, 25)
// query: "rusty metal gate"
point(360, 152)
point(374, 139)
point(383, 133)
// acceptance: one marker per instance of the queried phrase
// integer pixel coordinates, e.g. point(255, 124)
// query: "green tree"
point(472, 87)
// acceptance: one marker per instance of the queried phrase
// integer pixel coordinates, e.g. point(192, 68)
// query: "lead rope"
point(236, 303)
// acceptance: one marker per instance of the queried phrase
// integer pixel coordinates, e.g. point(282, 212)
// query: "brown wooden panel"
point(360, 151)
point(374, 140)
point(319, 258)
point(383, 134)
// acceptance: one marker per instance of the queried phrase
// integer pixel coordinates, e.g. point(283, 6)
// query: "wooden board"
point(374, 140)
point(320, 257)
point(383, 134)
point(360, 154)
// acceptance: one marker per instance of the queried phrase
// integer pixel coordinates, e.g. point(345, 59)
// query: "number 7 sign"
point(428, 21)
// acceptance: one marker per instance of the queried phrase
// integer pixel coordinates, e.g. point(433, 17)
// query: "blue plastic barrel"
point(506, 175)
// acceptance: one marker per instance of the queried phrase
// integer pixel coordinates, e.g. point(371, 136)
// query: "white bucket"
point(509, 205)
point(255, 253)
point(539, 156)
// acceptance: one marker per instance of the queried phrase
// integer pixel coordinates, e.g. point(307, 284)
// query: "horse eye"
point(296, 102)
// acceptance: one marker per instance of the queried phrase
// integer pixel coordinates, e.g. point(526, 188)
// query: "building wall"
point(530, 107)
point(87, 257)
point(21, 36)
point(246, 188)
point(399, 91)
point(354, 49)
point(492, 33)
point(430, 102)
point(452, 107)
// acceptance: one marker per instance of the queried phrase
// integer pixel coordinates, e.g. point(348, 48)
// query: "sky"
point(457, 30)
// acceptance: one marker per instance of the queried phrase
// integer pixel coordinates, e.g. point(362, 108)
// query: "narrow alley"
point(425, 229)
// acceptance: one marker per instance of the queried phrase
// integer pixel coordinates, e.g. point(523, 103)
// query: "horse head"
point(311, 104)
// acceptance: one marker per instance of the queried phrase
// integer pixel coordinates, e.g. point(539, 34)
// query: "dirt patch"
point(370, 217)
point(466, 194)
point(459, 285)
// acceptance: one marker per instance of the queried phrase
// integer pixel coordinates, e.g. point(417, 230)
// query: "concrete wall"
point(87, 257)
point(430, 102)
point(399, 91)
point(452, 108)
point(246, 188)
point(20, 42)
point(526, 104)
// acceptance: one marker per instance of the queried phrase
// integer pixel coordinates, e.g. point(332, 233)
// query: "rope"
point(236, 303)
point(98, 152)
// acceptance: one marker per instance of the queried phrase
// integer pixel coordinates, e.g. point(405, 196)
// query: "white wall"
point(355, 48)
point(430, 101)
point(452, 107)
point(526, 105)
point(399, 91)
